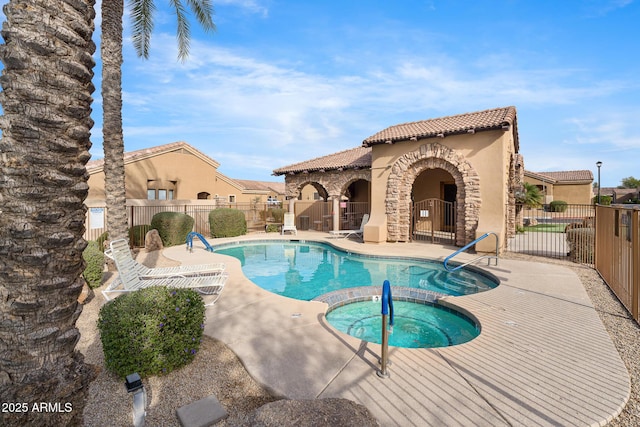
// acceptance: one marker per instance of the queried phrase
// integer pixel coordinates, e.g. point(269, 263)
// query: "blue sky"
point(285, 81)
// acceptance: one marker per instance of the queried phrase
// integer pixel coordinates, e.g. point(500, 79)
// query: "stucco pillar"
point(292, 202)
point(335, 211)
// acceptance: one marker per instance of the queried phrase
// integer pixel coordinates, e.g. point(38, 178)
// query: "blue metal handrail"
point(193, 234)
point(484, 236)
point(387, 310)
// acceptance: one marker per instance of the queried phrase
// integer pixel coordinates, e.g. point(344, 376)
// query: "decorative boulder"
point(152, 241)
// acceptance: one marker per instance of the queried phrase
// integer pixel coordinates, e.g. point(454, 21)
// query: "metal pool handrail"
point(387, 310)
point(193, 234)
point(489, 257)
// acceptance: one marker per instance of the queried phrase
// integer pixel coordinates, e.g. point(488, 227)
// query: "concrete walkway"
point(543, 356)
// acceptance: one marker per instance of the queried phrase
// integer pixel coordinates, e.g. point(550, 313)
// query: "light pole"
point(598, 164)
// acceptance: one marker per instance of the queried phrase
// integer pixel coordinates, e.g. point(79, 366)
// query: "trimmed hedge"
point(151, 331)
point(558, 206)
point(93, 256)
point(172, 227)
point(581, 243)
point(227, 222)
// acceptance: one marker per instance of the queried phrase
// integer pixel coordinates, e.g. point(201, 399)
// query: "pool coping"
point(543, 357)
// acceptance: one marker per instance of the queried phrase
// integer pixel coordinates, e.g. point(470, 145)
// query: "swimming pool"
point(416, 325)
point(304, 270)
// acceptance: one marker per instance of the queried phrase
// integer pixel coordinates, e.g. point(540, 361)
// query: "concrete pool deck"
point(543, 356)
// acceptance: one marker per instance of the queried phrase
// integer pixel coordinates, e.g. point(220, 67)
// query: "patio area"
point(543, 357)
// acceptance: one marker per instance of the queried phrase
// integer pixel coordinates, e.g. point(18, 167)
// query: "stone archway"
point(403, 174)
point(333, 182)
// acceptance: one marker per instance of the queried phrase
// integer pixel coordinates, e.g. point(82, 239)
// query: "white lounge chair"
point(289, 223)
point(121, 246)
point(349, 233)
point(129, 277)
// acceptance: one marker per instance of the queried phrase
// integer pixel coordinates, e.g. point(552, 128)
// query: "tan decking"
point(543, 357)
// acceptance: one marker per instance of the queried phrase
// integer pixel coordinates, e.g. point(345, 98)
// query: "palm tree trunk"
point(46, 100)
point(113, 141)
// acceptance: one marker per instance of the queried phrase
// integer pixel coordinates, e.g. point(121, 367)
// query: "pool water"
point(415, 325)
point(305, 270)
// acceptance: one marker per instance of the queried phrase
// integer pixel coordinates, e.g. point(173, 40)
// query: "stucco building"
point(469, 165)
point(573, 187)
point(179, 171)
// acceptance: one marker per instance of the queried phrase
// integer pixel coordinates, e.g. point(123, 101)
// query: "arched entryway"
point(354, 203)
point(444, 162)
point(433, 201)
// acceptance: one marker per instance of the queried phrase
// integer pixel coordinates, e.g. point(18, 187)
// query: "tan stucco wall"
point(487, 154)
point(183, 172)
point(570, 193)
point(190, 174)
point(573, 194)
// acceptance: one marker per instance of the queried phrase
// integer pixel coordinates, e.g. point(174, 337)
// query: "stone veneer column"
point(400, 183)
point(335, 211)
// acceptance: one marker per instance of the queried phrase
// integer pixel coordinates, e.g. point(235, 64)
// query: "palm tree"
point(111, 54)
point(46, 124)
point(530, 196)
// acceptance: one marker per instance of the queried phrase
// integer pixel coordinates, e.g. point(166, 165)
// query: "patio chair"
point(129, 277)
point(121, 247)
point(289, 223)
point(349, 233)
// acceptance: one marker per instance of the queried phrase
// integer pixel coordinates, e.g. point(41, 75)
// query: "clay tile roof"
point(496, 118)
point(577, 176)
point(355, 158)
point(277, 187)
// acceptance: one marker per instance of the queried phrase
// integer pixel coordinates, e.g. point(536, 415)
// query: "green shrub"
point(558, 206)
point(277, 214)
point(151, 331)
point(137, 233)
point(581, 243)
point(227, 222)
point(604, 200)
point(101, 239)
point(271, 228)
point(172, 227)
point(94, 258)
point(274, 214)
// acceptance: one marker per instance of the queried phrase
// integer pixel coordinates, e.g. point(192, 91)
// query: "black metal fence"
point(564, 231)
point(317, 215)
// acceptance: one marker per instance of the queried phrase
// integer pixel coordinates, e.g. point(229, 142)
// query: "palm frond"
point(142, 12)
point(203, 11)
point(183, 32)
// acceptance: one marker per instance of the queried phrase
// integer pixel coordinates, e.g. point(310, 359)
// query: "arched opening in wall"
point(355, 202)
point(312, 191)
point(433, 207)
point(203, 195)
point(313, 208)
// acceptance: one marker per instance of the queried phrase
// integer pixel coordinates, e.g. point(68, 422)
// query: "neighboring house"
point(573, 187)
point(468, 161)
point(262, 191)
point(179, 171)
point(620, 195)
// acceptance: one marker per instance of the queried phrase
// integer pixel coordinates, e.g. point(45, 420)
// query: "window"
point(170, 194)
point(162, 194)
point(232, 198)
point(203, 195)
point(151, 194)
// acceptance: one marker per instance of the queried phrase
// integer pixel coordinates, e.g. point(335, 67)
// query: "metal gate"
point(434, 220)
